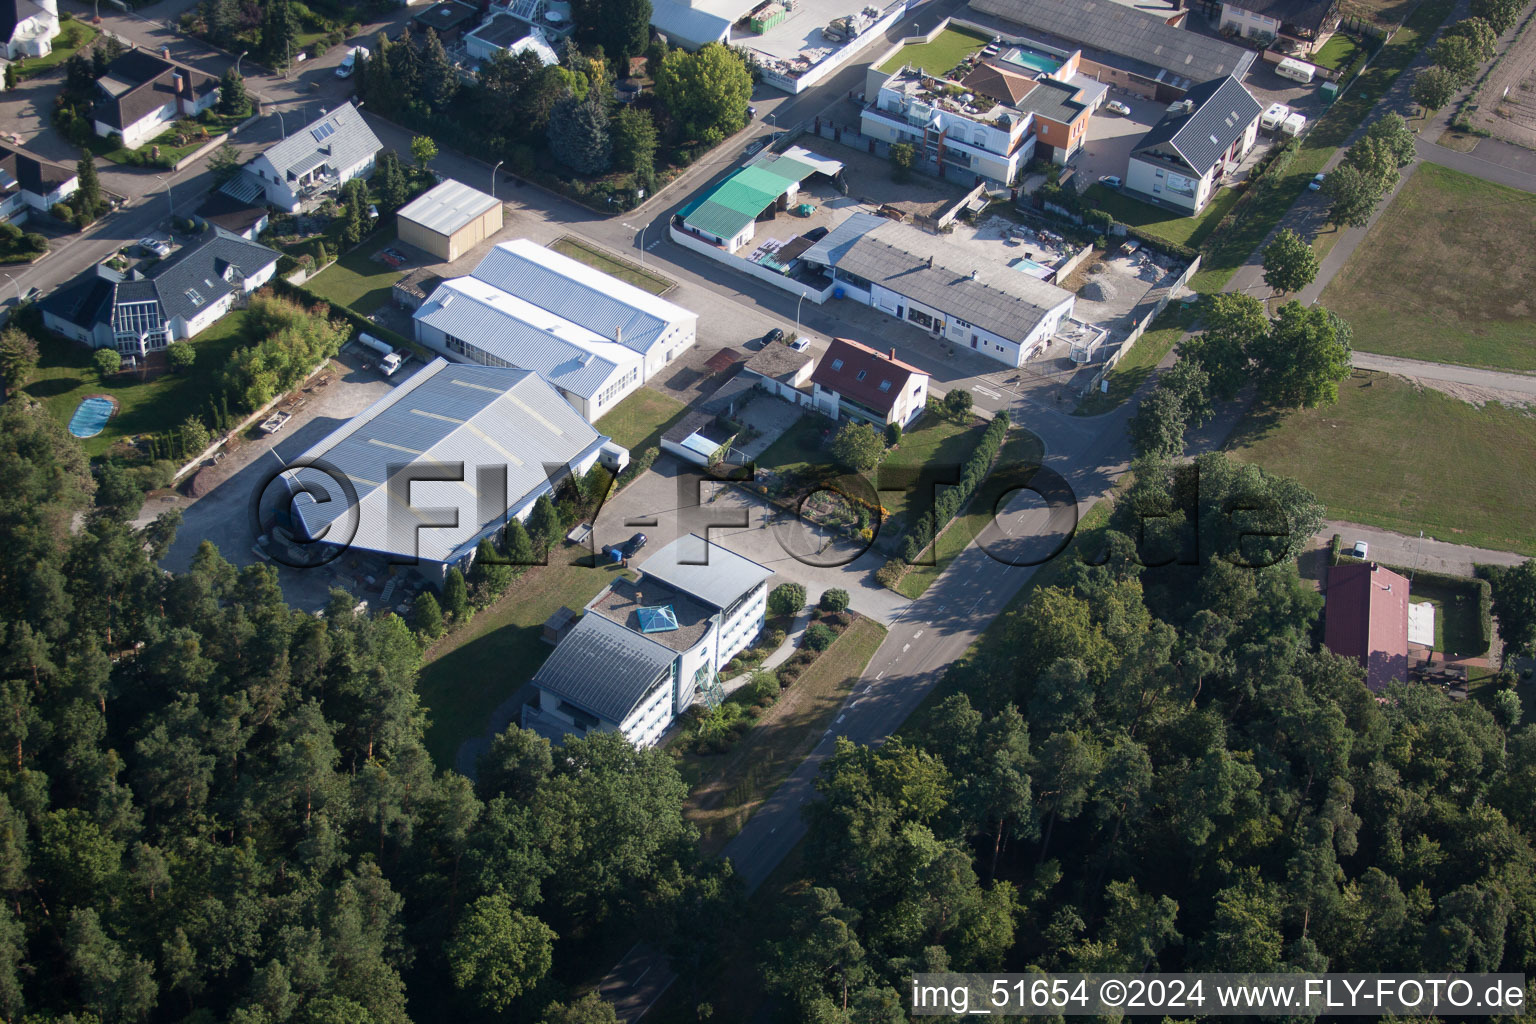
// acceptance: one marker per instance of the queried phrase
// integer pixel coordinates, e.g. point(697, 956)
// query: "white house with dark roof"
point(1181, 160)
point(644, 651)
point(502, 437)
point(141, 94)
point(592, 336)
point(178, 299)
point(323, 155)
point(27, 28)
point(941, 288)
point(28, 182)
point(1301, 22)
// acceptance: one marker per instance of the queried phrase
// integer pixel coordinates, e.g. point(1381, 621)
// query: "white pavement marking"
point(907, 647)
point(917, 634)
point(985, 391)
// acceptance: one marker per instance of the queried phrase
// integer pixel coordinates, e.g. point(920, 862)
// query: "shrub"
point(776, 639)
point(892, 434)
point(834, 600)
point(1334, 546)
point(889, 574)
point(958, 402)
point(786, 599)
point(106, 361)
point(762, 690)
point(427, 615)
point(180, 356)
point(818, 637)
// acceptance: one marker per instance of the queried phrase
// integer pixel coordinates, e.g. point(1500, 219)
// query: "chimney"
point(165, 51)
point(893, 355)
point(930, 262)
point(618, 335)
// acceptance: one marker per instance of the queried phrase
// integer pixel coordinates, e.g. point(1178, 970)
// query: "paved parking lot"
point(672, 500)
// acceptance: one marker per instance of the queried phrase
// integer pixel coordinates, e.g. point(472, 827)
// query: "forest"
point(1156, 767)
point(216, 808)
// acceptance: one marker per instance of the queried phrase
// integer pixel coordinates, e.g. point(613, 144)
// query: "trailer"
point(1295, 70)
point(390, 358)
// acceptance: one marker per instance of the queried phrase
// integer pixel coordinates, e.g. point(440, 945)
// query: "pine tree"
point(233, 100)
point(88, 195)
point(428, 615)
point(279, 32)
point(578, 134)
point(456, 596)
point(439, 82)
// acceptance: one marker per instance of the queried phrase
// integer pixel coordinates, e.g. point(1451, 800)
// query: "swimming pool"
point(91, 417)
point(1030, 267)
point(1033, 59)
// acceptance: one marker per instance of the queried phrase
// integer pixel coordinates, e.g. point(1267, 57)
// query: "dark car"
point(632, 547)
point(777, 334)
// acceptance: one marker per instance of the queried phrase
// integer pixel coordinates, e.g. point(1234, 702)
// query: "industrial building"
point(1181, 160)
point(445, 459)
point(995, 310)
point(645, 651)
point(449, 219)
point(727, 215)
point(593, 337)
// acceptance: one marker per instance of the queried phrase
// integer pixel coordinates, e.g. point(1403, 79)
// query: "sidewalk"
point(784, 653)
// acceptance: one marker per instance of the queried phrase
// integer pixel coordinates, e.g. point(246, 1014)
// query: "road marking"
point(882, 673)
point(985, 391)
point(840, 719)
point(917, 634)
point(907, 647)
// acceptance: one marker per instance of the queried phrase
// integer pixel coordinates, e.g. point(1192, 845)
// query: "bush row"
point(948, 504)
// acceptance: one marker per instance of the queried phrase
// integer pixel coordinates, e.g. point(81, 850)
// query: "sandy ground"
point(1507, 103)
point(1472, 393)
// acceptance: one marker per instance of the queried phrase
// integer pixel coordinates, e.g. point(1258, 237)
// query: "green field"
point(1231, 249)
point(948, 48)
point(356, 280)
point(1137, 364)
point(1445, 274)
point(1337, 53)
point(622, 269)
point(638, 422)
point(1165, 224)
point(64, 376)
point(1393, 456)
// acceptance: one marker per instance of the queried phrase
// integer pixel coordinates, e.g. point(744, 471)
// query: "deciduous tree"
point(857, 448)
point(1433, 87)
point(1289, 262)
point(706, 92)
point(1304, 357)
point(18, 357)
point(498, 953)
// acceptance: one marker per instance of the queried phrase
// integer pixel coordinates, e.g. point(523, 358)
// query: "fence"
point(1152, 307)
point(714, 252)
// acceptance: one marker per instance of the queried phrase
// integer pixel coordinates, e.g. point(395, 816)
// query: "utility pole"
point(493, 177)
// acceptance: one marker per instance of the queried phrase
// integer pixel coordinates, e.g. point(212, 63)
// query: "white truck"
point(390, 358)
point(349, 63)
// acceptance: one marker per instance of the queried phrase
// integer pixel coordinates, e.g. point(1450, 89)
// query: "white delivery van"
point(350, 61)
point(1274, 117)
point(1296, 70)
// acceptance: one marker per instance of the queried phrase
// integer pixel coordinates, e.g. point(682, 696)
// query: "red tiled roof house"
point(858, 381)
point(1367, 619)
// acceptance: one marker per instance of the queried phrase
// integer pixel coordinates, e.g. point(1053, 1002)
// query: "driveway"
point(1414, 552)
point(671, 500)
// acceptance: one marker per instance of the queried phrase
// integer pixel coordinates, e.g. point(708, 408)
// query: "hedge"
point(1334, 547)
point(948, 504)
point(1481, 586)
point(308, 298)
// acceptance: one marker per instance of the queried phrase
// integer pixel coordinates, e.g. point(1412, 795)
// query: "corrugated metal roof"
point(583, 295)
point(897, 257)
point(604, 668)
point(349, 141)
point(704, 570)
point(480, 417)
point(1223, 111)
point(447, 207)
point(686, 25)
point(563, 353)
point(1118, 29)
point(737, 201)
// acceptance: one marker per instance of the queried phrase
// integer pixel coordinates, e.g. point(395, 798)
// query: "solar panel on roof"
point(323, 132)
point(660, 619)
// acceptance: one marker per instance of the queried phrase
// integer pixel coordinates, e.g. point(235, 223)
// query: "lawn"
point(1444, 274)
point(471, 672)
point(939, 57)
point(622, 269)
point(1456, 619)
point(1337, 53)
point(64, 376)
point(638, 422)
point(1137, 364)
point(73, 35)
point(725, 789)
point(1165, 224)
point(1231, 250)
point(1016, 464)
point(356, 280)
point(1393, 456)
point(169, 151)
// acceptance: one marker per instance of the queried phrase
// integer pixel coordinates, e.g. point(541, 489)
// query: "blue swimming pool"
point(1028, 266)
point(91, 417)
point(1034, 60)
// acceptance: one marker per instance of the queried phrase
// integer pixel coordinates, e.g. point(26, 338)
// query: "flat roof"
point(448, 207)
point(621, 603)
point(705, 571)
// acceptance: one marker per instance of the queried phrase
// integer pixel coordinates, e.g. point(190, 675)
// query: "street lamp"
point(11, 279)
point(169, 198)
point(493, 177)
point(797, 312)
point(643, 228)
point(238, 60)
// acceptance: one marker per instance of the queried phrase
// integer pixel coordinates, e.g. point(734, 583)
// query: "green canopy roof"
point(738, 200)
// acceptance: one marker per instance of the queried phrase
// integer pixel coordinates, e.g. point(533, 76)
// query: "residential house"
point(1366, 618)
point(1147, 53)
point(141, 94)
point(504, 32)
point(450, 19)
point(1300, 24)
point(592, 336)
point(176, 300)
point(28, 183)
point(1181, 160)
point(644, 651)
point(27, 28)
point(941, 288)
point(781, 371)
point(444, 460)
point(858, 381)
point(233, 216)
point(323, 155)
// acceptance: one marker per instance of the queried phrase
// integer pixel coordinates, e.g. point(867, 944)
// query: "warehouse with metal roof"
point(446, 458)
point(728, 214)
point(942, 288)
point(449, 219)
point(594, 337)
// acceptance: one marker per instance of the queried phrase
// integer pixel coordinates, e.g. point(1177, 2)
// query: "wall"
point(778, 280)
point(1156, 305)
point(837, 58)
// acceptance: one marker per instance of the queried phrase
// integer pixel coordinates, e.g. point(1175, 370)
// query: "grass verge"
point(1392, 455)
point(1422, 284)
point(640, 419)
point(1165, 224)
point(725, 789)
point(1137, 364)
point(592, 256)
point(64, 376)
point(356, 280)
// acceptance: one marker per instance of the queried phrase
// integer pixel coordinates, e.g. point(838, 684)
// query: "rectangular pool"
point(1032, 60)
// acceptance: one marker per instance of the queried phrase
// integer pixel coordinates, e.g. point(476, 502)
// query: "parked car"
point(1116, 107)
point(1112, 180)
point(777, 334)
point(155, 246)
point(632, 546)
point(800, 344)
point(751, 111)
point(1317, 181)
point(1360, 550)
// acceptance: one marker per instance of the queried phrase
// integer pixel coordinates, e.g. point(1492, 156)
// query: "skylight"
point(861, 375)
point(659, 619)
point(195, 296)
point(837, 364)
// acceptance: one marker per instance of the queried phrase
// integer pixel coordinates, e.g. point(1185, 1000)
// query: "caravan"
point(1298, 71)
point(1274, 117)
